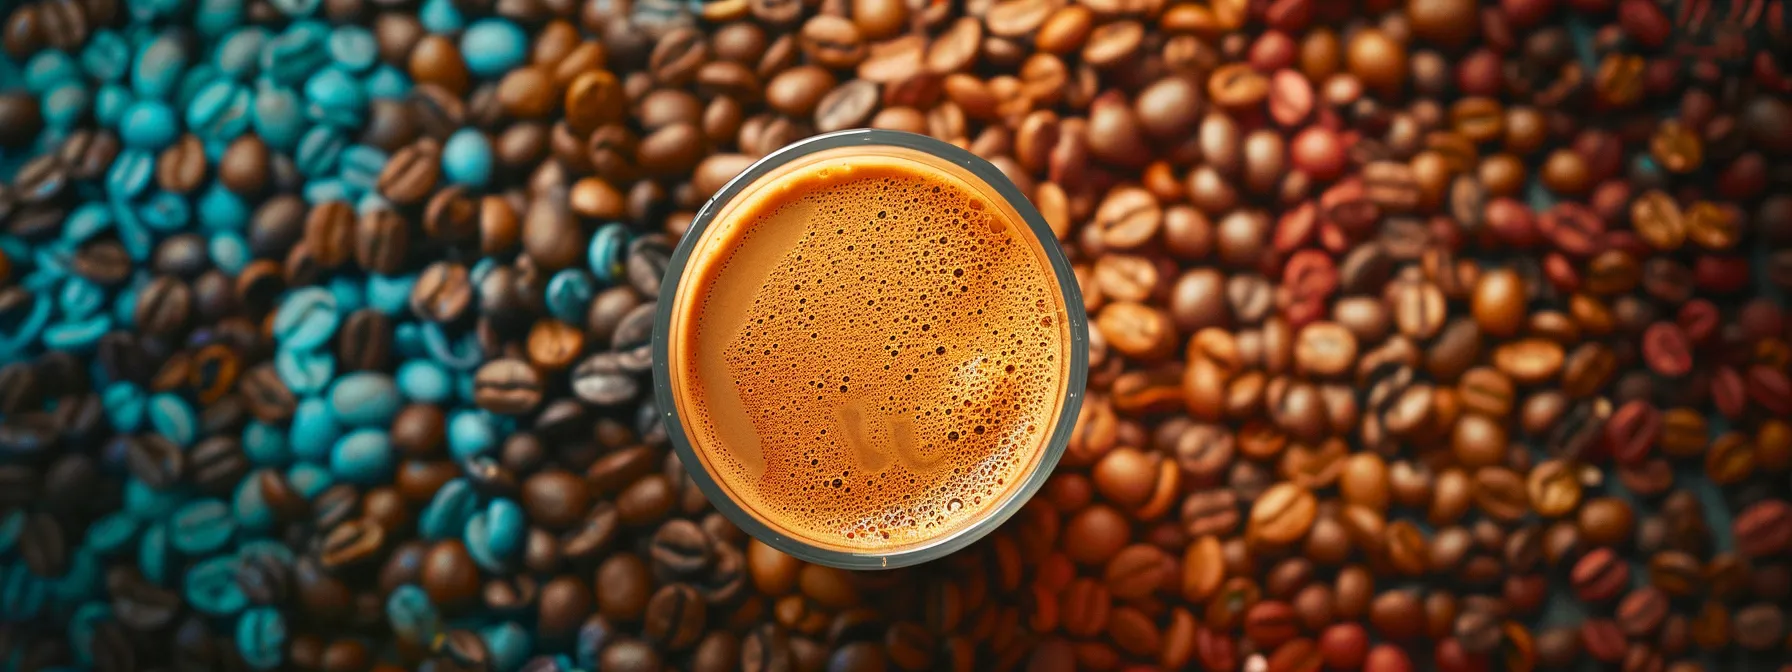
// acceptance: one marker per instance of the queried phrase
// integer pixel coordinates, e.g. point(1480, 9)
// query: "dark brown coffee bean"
point(352, 543)
point(442, 293)
point(848, 105)
point(364, 341)
point(155, 461)
point(675, 616)
point(509, 386)
point(44, 546)
point(216, 464)
point(139, 605)
point(410, 175)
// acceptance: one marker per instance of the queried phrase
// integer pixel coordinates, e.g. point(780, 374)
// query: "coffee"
point(869, 349)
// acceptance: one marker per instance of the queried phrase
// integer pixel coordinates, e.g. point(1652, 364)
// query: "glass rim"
point(1062, 426)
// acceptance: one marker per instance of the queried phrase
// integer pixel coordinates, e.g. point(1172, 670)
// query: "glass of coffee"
point(870, 350)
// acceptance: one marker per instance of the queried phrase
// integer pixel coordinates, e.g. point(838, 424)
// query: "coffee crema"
point(872, 349)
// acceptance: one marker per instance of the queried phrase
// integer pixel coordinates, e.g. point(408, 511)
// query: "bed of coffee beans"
point(1426, 334)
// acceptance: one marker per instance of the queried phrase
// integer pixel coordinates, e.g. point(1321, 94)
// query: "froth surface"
point(877, 353)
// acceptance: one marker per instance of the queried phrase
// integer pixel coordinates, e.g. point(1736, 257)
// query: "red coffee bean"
point(1728, 392)
point(1602, 640)
point(1698, 319)
point(1764, 529)
point(1599, 576)
point(1771, 389)
point(1632, 431)
point(1344, 646)
point(1666, 349)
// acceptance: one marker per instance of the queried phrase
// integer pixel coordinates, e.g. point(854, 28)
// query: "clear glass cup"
point(981, 176)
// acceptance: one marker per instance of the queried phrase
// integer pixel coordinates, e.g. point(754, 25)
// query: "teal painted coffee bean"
point(360, 166)
point(195, 79)
point(221, 210)
point(448, 511)
point(296, 53)
point(278, 117)
point(495, 536)
point(309, 479)
point(165, 212)
point(333, 96)
point(365, 399)
point(424, 381)
point(125, 406)
point(460, 353)
point(251, 511)
point(481, 270)
point(411, 615)
point(221, 110)
point(81, 626)
point(238, 55)
point(158, 68)
point(65, 106)
point(471, 433)
point(22, 595)
point(42, 281)
point(124, 304)
point(509, 644)
point(407, 341)
point(152, 553)
point(463, 391)
point(296, 9)
point(132, 234)
point(350, 295)
point(265, 445)
point(353, 48)
point(314, 430)
point(305, 372)
point(261, 638)
point(307, 318)
point(173, 418)
point(86, 221)
point(12, 525)
point(441, 17)
point(387, 82)
point(149, 504)
point(149, 124)
point(569, 295)
point(201, 527)
point(265, 549)
point(467, 158)
point(130, 174)
point(363, 457)
point(76, 335)
point(84, 580)
point(492, 47)
point(14, 340)
point(50, 69)
point(107, 57)
point(80, 298)
point(608, 252)
point(110, 103)
point(211, 587)
point(326, 190)
point(228, 251)
point(112, 533)
point(318, 150)
point(216, 17)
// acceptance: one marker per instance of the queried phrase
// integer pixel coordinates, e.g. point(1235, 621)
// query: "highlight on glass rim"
point(875, 335)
